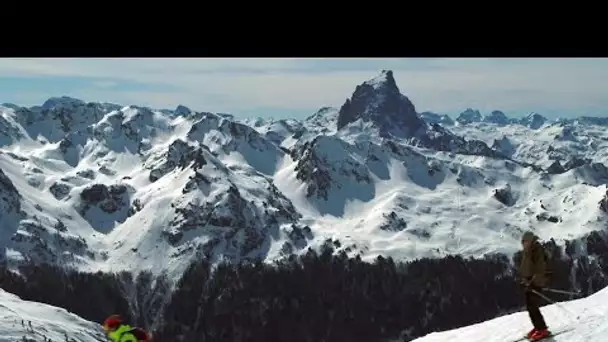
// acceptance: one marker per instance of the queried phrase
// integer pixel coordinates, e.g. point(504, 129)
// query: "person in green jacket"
point(534, 277)
point(119, 332)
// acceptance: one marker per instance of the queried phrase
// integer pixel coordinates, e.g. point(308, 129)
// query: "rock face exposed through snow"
point(380, 101)
point(533, 121)
point(469, 116)
point(9, 195)
point(497, 117)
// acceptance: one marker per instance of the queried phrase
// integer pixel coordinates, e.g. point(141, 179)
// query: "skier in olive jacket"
point(533, 272)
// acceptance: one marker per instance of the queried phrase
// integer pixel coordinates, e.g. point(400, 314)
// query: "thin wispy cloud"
point(257, 86)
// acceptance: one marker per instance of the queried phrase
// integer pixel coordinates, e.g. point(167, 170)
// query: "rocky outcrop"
point(9, 132)
point(497, 117)
point(60, 190)
point(533, 121)
point(108, 198)
point(317, 166)
point(393, 222)
point(469, 116)
point(504, 195)
point(230, 215)
point(547, 217)
point(179, 154)
point(603, 204)
point(88, 174)
point(10, 199)
point(504, 145)
point(556, 168)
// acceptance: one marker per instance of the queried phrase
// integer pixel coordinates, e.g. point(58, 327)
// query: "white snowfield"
point(581, 320)
point(30, 321)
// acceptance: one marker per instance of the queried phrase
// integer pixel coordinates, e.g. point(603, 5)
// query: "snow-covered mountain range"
point(101, 186)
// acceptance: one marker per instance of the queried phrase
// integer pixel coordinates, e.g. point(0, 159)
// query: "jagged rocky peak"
point(379, 101)
point(470, 115)
point(182, 110)
point(497, 117)
point(178, 154)
point(533, 121)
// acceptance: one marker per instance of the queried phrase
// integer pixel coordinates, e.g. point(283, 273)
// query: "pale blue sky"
point(298, 87)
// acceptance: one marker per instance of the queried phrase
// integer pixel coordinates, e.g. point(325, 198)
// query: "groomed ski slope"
point(47, 321)
point(583, 320)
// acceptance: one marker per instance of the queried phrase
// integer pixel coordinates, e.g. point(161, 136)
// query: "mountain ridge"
point(123, 185)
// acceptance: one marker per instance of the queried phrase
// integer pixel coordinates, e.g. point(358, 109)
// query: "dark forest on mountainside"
point(315, 297)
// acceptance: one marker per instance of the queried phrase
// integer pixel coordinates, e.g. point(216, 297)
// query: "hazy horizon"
point(296, 88)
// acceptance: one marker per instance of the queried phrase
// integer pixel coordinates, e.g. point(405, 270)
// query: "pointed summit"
point(182, 110)
point(385, 80)
point(533, 121)
point(379, 101)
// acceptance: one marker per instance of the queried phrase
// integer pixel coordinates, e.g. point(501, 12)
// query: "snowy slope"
point(48, 323)
point(142, 190)
point(544, 146)
point(106, 187)
point(582, 320)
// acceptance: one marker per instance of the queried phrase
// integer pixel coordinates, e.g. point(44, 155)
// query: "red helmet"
point(112, 322)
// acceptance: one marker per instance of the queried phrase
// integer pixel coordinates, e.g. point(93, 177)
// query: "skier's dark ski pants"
point(533, 303)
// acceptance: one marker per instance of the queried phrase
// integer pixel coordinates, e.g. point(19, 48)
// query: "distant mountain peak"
point(496, 117)
point(182, 110)
point(380, 102)
point(61, 101)
point(533, 120)
point(470, 115)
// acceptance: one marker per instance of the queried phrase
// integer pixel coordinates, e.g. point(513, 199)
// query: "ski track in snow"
point(584, 319)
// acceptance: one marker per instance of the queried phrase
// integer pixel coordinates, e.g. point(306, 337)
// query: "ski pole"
point(562, 292)
point(554, 302)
